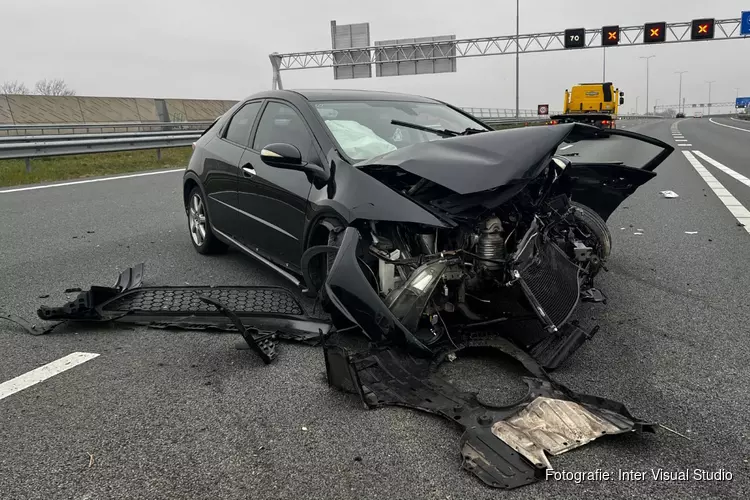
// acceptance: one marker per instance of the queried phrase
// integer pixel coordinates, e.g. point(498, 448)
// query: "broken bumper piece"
point(505, 447)
point(260, 314)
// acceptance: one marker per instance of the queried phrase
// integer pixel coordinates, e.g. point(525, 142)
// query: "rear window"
point(608, 93)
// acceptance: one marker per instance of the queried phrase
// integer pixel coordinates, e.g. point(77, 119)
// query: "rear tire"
point(203, 239)
point(598, 228)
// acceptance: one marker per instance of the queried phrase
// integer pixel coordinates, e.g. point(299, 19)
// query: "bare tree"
point(56, 86)
point(14, 87)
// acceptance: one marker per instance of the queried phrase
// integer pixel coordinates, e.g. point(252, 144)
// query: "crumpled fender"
point(349, 291)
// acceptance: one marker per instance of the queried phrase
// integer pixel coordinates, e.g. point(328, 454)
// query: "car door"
point(272, 201)
point(226, 153)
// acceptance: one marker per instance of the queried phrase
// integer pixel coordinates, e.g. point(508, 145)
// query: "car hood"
point(478, 162)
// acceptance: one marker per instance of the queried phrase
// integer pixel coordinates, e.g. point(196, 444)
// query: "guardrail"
point(101, 127)
point(27, 150)
point(68, 137)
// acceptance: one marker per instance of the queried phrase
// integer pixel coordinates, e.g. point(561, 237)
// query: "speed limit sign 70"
point(575, 38)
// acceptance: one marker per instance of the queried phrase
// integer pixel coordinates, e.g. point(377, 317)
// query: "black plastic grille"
point(187, 300)
point(553, 281)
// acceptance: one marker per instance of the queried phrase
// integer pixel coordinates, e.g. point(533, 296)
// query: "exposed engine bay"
point(513, 256)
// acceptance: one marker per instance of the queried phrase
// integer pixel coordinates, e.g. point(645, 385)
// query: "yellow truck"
point(592, 103)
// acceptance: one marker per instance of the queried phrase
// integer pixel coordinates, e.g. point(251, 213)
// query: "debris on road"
point(71, 290)
point(669, 194)
point(505, 447)
point(30, 328)
point(691, 232)
point(638, 233)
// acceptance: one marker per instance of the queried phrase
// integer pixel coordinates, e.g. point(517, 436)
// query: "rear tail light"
point(553, 122)
point(605, 122)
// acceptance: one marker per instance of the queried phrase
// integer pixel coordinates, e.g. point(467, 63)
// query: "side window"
point(281, 123)
point(242, 122)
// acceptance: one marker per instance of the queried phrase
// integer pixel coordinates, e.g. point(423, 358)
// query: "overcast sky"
point(219, 49)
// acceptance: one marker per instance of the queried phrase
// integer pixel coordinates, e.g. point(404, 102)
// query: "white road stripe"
point(685, 145)
point(724, 168)
point(567, 147)
point(729, 126)
point(88, 181)
point(681, 140)
point(42, 373)
point(733, 205)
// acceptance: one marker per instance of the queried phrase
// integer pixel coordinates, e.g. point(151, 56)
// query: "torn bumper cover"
point(259, 314)
point(505, 447)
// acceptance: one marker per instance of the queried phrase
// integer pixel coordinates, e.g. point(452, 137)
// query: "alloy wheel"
point(197, 219)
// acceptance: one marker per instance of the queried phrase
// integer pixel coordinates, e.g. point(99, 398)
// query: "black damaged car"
point(416, 223)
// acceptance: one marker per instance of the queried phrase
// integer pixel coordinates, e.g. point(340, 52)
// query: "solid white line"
point(87, 181)
point(724, 168)
point(733, 205)
point(729, 126)
point(43, 373)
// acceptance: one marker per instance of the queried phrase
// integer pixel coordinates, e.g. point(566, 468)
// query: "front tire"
point(203, 239)
point(597, 226)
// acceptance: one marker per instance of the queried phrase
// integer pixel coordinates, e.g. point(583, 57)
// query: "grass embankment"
point(59, 168)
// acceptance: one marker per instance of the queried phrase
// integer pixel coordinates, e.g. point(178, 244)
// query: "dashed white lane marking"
point(685, 145)
point(729, 126)
point(733, 205)
point(567, 147)
point(88, 181)
point(42, 373)
point(681, 140)
point(724, 168)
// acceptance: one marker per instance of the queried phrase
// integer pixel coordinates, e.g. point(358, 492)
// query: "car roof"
point(343, 95)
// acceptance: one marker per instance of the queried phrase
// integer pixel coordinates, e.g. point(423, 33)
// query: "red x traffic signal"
point(702, 29)
point(654, 32)
point(610, 35)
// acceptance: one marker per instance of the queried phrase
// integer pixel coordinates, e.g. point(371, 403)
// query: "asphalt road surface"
point(168, 414)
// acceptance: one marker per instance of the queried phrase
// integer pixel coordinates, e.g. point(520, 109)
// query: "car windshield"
point(363, 129)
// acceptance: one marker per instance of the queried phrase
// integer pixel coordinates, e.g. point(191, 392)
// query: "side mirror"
point(622, 94)
point(288, 156)
point(622, 101)
point(282, 155)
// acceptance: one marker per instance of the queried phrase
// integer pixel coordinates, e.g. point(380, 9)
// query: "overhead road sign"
point(349, 36)
point(702, 29)
point(654, 32)
point(742, 102)
point(437, 58)
point(575, 38)
point(610, 35)
point(745, 24)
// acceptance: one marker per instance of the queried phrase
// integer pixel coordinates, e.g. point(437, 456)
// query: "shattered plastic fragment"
point(669, 194)
point(691, 232)
point(637, 233)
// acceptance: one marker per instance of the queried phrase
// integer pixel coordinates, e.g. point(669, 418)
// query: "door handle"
point(248, 170)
